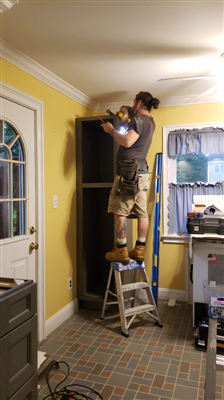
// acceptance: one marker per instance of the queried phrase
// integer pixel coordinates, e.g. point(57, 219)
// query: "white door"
point(17, 191)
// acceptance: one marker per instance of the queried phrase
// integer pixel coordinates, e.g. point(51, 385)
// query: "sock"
point(121, 243)
point(141, 241)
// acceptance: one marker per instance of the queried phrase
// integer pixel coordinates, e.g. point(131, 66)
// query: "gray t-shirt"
point(144, 126)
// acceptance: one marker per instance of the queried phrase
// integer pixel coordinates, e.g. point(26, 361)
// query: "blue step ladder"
point(156, 231)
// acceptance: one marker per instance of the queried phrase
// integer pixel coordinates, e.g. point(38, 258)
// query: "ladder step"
point(139, 309)
point(134, 286)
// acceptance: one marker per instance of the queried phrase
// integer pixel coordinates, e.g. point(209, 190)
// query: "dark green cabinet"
point(96, 167)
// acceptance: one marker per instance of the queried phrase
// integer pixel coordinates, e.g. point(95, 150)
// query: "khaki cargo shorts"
point(129, 206)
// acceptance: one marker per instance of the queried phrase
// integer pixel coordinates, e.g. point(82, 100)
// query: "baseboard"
point(58, 318)
point(166, 294)
point(178, 295)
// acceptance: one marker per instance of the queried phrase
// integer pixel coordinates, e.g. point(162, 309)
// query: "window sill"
point(184, 238)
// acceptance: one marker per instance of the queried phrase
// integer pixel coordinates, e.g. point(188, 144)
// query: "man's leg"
point(120, 224)
point(143, 227)
point(138, 253)
point(119, 252)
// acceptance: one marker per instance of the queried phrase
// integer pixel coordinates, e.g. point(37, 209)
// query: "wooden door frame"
point(12, 94)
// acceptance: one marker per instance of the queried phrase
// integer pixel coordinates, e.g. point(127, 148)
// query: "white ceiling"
point(110, 50)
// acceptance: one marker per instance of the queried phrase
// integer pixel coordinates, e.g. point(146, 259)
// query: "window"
point(189, 170)
point(12, 182)
point(217, 168)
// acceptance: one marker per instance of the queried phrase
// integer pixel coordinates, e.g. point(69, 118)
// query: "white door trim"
point(10, 93)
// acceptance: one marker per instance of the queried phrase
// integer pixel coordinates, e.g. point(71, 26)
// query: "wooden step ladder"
point(132, 312)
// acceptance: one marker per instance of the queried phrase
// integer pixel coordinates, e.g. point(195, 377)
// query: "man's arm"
point(124, 140)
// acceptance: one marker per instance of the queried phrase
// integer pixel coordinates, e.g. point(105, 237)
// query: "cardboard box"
point(199, 208)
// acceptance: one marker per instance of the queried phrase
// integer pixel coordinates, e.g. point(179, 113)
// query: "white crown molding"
point(30, 66)
point(17, 58)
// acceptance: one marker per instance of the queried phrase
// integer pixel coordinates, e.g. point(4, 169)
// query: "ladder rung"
point(134, 286)
point(139, 309)
point(113, 294)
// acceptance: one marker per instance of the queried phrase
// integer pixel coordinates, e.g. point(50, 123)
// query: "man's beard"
point(134, 111)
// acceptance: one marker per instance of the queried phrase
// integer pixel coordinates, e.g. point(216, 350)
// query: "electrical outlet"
point(70, 284)
point(55, 201)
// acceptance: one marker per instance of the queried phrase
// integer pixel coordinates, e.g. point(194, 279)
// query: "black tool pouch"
point(128, 182)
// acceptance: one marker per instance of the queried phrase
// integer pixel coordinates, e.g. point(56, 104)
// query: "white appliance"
point(208, 274)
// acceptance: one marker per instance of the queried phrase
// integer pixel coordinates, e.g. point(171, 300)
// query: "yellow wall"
point(60, 179)
point(60, 113)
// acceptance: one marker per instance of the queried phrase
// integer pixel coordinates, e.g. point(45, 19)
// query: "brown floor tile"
point(82, 375)
point(169, 349)
point(81, 362)
point(53, 377)
point(174, 362)
point(195, 366)
point(117, 340)
point(124, 344)
point(104, 345)
point(157, 354)
point(106, 374)
point(141, 368)
point(74, 347)
point(177, 352)
point(144, 388)
point(158, 381)
point(85, 358)
point(168, 386)
point(140, 331)
point(139, 374)
point(136, 355)
point(84, 346)
point(119, 391)
point(98, 369)
point(126, 357)
point(152, 341)
point(70, 333)
point(184, 367)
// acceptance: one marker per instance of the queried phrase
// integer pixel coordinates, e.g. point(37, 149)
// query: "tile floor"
point(152, 364)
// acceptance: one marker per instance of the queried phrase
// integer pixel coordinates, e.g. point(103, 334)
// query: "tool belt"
point(128, 174)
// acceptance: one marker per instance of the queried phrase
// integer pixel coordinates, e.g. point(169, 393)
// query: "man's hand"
point(107, 127)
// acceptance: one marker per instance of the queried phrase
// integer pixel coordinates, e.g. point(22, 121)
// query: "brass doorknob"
point(34, 246)
point(32, 230)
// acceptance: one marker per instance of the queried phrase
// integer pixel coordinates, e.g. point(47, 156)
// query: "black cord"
point(65, 393)
point(191, 273)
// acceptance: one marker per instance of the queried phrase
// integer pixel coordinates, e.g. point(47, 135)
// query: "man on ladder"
point(128, 194)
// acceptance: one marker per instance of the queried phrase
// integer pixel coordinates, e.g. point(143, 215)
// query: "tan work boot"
point(138, 253)
point(118, 255)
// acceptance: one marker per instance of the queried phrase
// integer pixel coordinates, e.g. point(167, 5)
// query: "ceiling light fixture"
point(7, 4)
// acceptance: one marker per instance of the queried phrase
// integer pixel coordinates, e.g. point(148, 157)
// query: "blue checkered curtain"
point(181, 199)
point(187, 141)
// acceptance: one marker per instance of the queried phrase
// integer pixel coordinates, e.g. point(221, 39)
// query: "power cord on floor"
point(67, 393)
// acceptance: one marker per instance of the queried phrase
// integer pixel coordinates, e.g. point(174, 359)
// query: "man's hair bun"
point(155, 102)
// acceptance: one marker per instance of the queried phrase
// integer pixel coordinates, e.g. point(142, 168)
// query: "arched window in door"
point(12, 182)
